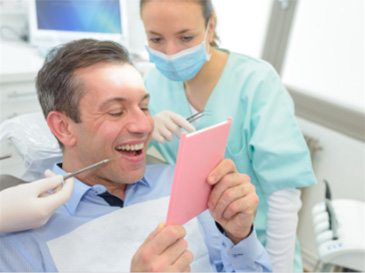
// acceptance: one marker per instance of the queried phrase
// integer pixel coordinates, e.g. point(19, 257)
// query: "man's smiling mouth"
point(130, 149)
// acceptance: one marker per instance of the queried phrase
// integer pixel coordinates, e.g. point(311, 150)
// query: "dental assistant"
point(193, 74)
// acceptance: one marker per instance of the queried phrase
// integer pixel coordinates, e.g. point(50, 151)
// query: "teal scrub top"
point(265, 140)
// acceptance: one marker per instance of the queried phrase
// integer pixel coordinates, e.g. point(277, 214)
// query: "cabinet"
point(19, 64)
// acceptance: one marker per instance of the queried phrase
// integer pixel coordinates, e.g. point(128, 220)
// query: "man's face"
point(115, 123)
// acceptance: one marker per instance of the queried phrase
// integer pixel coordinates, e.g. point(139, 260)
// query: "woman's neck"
point(199, 88)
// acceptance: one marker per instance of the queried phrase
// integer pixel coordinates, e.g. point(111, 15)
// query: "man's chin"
point(133, 177)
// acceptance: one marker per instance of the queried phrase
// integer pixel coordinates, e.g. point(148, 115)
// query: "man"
point(96, 105)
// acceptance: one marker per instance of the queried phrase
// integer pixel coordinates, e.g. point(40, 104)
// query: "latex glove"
point(30, 205)
point(164, 250)
point(167, 124)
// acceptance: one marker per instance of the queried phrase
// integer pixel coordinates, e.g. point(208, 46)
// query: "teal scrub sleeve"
point(279, 154)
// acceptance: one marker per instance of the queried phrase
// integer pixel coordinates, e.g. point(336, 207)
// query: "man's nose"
point(140, 122)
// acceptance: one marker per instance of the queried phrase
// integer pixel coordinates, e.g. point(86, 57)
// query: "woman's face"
point(174, 25)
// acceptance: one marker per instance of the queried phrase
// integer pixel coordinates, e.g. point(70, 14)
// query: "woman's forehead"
point(155, 11)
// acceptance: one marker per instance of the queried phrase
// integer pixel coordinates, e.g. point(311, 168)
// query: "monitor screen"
point(56, 21)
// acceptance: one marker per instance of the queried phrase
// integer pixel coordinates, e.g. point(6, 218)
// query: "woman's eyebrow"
point(177, 33)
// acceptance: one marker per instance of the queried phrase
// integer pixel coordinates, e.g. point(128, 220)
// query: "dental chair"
point(38, 147)
point(33, 142)
point(339, 227)
point(7, 181)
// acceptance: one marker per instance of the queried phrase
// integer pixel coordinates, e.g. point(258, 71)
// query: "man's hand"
point(233, 200)
point(164, 250)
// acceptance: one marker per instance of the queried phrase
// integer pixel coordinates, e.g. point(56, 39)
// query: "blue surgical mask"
point(182, 66)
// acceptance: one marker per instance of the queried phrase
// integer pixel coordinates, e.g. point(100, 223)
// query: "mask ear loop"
point(208, 54)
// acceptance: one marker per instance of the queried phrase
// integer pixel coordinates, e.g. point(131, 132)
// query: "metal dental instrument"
point(90, 167)
point(194, 117)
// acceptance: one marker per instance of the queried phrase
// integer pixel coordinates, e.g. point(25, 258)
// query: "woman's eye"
point(155, 40)
point(187, 38)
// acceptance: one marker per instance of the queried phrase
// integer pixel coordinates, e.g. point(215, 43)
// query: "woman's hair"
point(208, 13)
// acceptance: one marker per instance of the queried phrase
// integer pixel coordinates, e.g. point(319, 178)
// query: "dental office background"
point(317, 46)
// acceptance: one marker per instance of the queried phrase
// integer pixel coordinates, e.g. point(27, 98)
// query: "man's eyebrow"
point(112, 100)
point(146, 97)
point(121, 99)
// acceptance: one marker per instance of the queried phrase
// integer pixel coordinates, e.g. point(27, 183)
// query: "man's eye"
point(116, 114)
point(145, 109)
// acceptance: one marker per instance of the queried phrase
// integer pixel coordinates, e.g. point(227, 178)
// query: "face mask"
point(182, 66)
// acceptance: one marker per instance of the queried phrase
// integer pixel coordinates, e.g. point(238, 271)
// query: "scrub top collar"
point(80, 189)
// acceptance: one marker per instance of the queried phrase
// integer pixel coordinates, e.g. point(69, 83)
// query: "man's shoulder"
point(24, 251)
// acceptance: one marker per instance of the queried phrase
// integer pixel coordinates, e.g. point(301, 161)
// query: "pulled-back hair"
point(57, 88)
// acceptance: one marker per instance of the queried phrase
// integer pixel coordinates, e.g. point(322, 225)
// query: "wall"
point(137, 37)
point(13, 16)
point(234, 25)
point(326, 51)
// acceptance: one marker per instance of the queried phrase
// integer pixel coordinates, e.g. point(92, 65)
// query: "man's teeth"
point(132, 147)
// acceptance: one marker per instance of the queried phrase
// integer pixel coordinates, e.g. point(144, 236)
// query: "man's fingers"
point(160, 250)
point(165, 238)
point(155, 232)
point(173, 253)
point(183, 263)
point(229, 196)
point(241, 205)
point(187, 269)
point(228, 181)
point(225, 167)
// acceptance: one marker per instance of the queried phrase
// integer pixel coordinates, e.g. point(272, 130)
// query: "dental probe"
point(90, 167)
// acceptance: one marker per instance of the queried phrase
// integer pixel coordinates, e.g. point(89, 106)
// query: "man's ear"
point(60, 126)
